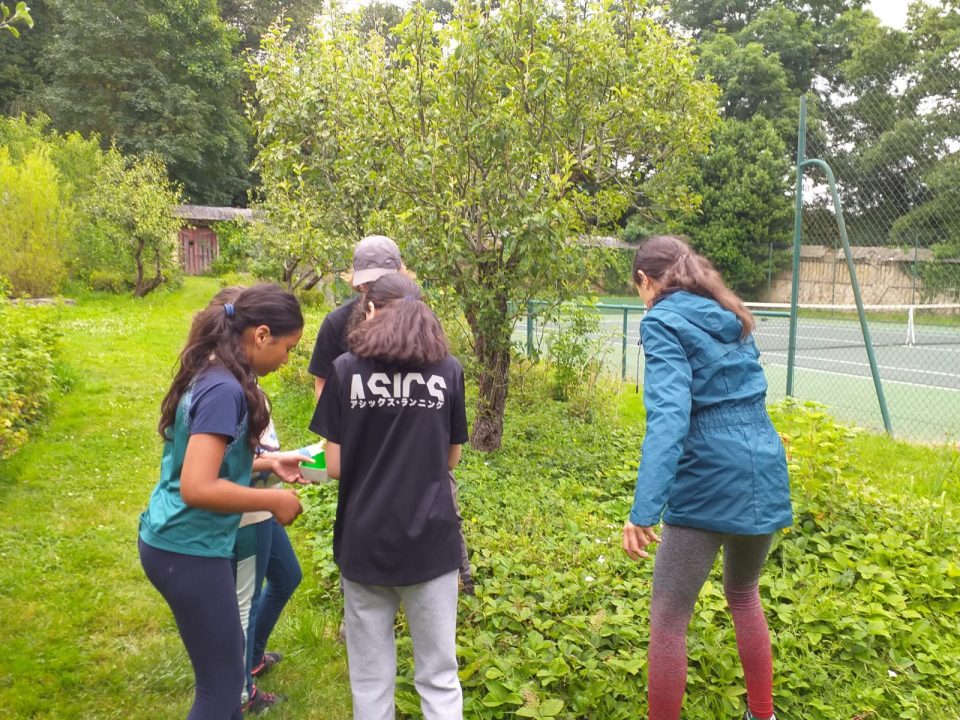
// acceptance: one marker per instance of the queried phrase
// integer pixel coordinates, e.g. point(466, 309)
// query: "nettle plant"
point(862, 593)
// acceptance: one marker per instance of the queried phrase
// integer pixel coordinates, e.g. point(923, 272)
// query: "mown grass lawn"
point(861, 593)
point(84, 634)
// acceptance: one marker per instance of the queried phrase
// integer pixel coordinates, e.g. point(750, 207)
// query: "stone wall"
point(886, 277)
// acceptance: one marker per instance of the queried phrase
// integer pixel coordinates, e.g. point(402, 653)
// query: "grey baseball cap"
point(374, 256)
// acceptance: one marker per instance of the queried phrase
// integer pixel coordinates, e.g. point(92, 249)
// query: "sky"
point(890, 12)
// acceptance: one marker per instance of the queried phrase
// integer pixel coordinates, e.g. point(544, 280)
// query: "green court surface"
point(920, 373)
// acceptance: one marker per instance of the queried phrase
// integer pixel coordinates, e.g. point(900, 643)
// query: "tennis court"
point(919, 364)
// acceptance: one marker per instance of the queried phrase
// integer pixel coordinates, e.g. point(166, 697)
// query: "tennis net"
point(838, 326)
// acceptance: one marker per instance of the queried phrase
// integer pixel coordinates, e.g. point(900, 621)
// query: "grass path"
point(84, 634)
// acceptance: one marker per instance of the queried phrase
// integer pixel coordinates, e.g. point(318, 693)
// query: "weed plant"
point(861, 593)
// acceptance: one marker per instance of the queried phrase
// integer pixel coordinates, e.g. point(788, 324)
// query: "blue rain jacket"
point(711, 458)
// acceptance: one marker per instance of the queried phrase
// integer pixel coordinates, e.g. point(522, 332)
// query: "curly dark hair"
point(404, 332)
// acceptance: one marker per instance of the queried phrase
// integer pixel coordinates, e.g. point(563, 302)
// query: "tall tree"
point(21, 76)
point(155, 76)
point(933, 98)
point(790, 37)
point(489, 130)
point(745, 208)
point(252, 18)
point(705, 17)
point(752, 81)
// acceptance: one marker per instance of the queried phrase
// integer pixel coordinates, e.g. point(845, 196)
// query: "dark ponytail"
point(404, 332)
point(675, 266)
point(215, 339)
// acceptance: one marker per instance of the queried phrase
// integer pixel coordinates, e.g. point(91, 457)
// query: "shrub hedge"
point(28, 346)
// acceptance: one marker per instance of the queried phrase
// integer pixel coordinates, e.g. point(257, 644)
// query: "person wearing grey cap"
point(373, 257)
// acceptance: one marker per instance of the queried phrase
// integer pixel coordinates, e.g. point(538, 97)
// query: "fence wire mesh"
point(892, 149)
point(892, 140)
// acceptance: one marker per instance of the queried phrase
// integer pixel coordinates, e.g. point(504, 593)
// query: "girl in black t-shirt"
point(392, 411)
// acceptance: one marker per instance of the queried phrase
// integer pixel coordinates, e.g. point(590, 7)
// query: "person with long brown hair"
point(211, 420)
point(393, 413)
point(712, 468)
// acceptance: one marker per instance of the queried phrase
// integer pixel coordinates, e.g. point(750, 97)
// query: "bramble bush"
point(574, 352)
point(861, 593)
point(28, 341)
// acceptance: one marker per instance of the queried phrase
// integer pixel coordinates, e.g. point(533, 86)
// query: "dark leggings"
point(202, 594)
point(683, 563)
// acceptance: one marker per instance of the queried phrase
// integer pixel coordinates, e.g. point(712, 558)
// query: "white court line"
point(618, 341)
point(870, 379)
point(862, 364)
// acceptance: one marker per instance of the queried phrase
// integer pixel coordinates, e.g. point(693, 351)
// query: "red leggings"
point(683, 563)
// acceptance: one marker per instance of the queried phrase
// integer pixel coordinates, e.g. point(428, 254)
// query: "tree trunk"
point(138, 278)
point(143, 287)
point(492, 399)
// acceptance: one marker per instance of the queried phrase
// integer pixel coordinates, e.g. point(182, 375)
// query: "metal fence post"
point(797, 232)
point(865, 328)
point(623, 347)
point(529, 328)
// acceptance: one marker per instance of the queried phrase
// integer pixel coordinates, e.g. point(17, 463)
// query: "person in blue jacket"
point(713, 468)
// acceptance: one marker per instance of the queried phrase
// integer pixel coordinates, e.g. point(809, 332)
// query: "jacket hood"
point(703, 313)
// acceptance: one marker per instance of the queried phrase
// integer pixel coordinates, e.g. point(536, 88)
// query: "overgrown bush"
point(237, 248)
point(119, 208)
point(132, 215)
point(861, 594)
point(575, 351)
point(107, 281)
point(231, 279)
point(28, 341)
point(35, 221)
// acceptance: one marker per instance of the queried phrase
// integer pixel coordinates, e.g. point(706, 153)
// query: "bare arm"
point(202, 487)
point(332, 454)
point(453, 457)
point(285, 465)
point(318, 384)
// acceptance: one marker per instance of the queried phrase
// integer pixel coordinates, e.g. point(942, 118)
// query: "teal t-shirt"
point(213, 404)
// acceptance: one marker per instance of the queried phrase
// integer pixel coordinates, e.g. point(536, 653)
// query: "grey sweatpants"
point(431, 611)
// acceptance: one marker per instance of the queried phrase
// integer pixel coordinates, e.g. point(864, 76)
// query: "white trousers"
point(431, 610)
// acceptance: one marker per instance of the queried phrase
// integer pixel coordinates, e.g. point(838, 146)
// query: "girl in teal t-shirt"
point(211, 418)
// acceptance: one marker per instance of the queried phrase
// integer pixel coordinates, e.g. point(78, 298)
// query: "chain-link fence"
point(893, 157)
point(890, 358)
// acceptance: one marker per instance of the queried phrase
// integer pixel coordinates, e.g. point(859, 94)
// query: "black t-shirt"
point(396, 523)
point(331, 339)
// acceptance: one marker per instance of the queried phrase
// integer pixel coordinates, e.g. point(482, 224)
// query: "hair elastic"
point(228, 310)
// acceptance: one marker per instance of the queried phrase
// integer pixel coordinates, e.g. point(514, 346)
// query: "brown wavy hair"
point(671, 261)
point(215, 340)
point(404, 332)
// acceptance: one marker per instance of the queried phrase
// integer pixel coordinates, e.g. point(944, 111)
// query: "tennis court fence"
point(917, 349)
